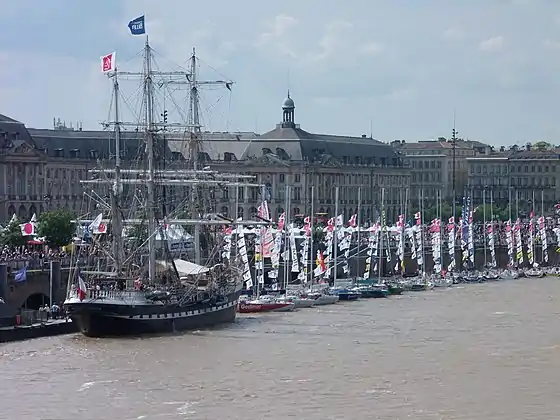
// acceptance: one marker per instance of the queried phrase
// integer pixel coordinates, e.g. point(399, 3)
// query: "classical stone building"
point(40, 169)
point(309, 165)
point(519, 173)
point(431, 165)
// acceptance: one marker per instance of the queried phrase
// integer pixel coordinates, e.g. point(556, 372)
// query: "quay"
point(37, 330)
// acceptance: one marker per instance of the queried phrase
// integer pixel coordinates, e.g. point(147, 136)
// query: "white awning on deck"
point(186, 268)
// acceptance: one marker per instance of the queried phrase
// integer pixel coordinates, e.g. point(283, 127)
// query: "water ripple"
point(489, 351)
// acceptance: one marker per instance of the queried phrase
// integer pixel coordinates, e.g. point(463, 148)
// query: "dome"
point(288, 103)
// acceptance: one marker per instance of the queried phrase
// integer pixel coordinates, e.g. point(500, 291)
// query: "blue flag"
point(137, 26)
point(21, 275)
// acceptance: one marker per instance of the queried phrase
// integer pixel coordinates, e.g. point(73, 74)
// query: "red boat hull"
point(249, 307)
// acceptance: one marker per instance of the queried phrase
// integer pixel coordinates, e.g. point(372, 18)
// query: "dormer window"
point(266, 151)
point(203, 157)
point(59, 153)
point(281, 153)
point(229, 157)
point(75, 153)
point(93, 154)
point(176, 156)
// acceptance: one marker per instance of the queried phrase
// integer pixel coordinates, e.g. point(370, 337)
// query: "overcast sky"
point(400, 67)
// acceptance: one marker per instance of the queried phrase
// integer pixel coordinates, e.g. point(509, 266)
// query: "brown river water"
point(484, 351)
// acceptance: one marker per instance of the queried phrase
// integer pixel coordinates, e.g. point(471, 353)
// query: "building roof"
point(432, 144)
point(296, 144)
point(12, 130)
point(80, 144)
point(289, 142)
point(217, 145)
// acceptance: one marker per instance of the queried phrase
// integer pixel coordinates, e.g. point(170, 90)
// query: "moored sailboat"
point(132, 297)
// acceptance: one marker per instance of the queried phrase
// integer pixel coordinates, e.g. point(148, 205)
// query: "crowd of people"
point(30, 256)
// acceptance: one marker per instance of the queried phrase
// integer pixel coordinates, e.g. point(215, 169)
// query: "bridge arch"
point(35, 300)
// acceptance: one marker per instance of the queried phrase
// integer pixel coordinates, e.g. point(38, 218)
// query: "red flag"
point(108, 63)
point(82, 289)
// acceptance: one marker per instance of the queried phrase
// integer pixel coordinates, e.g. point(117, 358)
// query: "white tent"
point(185, 268)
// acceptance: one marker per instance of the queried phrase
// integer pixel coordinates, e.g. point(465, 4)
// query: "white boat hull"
point(326, 300)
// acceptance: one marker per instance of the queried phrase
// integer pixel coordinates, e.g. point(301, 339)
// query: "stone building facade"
point(40, 169)
point(431, 165)
point(518, 174)
point(311, 166)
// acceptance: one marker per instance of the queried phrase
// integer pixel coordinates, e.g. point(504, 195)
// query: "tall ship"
point(127, 277)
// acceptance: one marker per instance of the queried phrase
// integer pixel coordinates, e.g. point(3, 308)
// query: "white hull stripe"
point(175, 315)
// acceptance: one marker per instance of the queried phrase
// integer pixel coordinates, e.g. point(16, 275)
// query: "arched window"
point(240, 212)
point(22, 213)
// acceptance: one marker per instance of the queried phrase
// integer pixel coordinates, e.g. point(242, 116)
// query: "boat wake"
point(87, 385)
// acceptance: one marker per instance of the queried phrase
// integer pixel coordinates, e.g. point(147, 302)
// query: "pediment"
point(25, 150)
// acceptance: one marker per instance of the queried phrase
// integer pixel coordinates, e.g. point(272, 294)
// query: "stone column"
point(54, 284)
point(4, 282)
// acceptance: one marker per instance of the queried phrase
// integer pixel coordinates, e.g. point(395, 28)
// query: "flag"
point(21, 275)
point(97, 226)
point(82, 289)
point(137, 26)
point(27, 229)
point(108, 63)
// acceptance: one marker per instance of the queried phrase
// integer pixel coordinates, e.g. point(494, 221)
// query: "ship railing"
point(108, 294)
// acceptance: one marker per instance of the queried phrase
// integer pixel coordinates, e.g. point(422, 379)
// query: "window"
point(229, 157)
point(282, 178)
point(297, 178)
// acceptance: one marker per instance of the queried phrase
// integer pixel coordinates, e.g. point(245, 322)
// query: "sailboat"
point(132, 297)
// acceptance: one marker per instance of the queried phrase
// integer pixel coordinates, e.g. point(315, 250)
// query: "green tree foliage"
point(318, 234)
point(11, 236)
point(499, 213)
point(56, 227)
point(137, 234)
point(542, 145)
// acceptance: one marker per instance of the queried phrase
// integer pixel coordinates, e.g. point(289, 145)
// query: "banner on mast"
point(137, 26)
point(108, 63)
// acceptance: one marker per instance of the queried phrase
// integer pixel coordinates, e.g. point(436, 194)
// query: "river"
point(484, 351)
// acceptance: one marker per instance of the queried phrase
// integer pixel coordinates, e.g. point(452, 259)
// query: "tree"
point(56, 227)
point(542, 145)
point(137, 234)
point(318, 234)
point(11, 236)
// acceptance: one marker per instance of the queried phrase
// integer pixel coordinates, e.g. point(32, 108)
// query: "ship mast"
point(193, 120)
point(150, 207)
point(116, 191)
point(194, 117)
point(117, 177)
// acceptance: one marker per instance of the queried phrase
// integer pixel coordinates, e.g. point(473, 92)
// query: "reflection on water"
point(488, 351)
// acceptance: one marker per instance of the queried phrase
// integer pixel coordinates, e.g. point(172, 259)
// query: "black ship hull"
point(102, 319)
